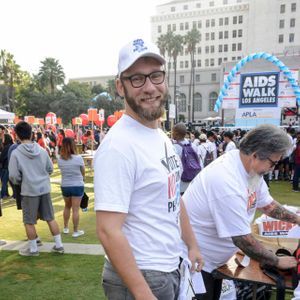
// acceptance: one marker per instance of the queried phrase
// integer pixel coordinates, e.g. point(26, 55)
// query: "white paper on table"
point(294, 232)
point(297, 293)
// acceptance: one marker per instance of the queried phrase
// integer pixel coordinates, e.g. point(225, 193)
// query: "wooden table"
point(251, 274)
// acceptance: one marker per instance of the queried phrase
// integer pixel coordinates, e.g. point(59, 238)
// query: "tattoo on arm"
point(277, 211)
point(254, 249)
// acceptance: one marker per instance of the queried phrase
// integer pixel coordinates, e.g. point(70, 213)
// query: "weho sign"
point(275, 228)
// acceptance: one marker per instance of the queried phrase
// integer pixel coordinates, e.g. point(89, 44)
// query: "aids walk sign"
point(259, 90)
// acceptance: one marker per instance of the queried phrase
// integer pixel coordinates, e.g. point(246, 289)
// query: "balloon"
point(97, 121)
point(52, 127)
point(69, 133)
point(118, 114)
point(84, 118)
point(111, 120)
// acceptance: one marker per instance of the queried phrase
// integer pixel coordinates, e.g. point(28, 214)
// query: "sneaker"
point(27, 252)
point(2, 243)
point(77, 233)
point(66, 230)
point(297, 191)
point(60, 250)
point(39, 243)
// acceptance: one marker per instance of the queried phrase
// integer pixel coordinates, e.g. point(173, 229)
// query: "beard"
point(147, 114)
point(253, 181)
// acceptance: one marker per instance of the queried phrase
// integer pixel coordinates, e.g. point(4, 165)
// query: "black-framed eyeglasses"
point(138, 80)
point(273, 162)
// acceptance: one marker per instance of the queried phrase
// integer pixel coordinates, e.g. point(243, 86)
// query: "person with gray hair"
point(222, 200)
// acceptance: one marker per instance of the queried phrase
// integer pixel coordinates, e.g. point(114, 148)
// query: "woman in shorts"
point(72, 184)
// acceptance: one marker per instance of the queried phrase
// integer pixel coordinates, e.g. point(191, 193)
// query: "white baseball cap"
point(136, 49)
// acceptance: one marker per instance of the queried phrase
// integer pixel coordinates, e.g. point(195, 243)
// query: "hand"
point(286, 262)
point(196, 259)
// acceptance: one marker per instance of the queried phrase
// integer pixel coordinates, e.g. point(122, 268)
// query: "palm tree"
point(10, 73)
point(176, 49)
point(191, 39)
point(51, 74)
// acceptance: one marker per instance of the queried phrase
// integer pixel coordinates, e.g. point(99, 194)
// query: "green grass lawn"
point(69, 276)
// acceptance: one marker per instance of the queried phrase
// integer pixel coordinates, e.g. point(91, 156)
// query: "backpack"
point(208, 158)
point(190, 162)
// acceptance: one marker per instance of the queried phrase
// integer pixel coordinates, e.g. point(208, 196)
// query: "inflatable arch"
point(261, 55)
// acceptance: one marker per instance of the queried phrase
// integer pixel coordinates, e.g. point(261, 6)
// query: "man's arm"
point(14, 173)
point(277, 211)
point(189, 238)
point(254, 249)
point(117, 248)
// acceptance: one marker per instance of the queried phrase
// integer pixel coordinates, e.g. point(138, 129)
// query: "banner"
point(259, 90)
point(172, 111)
point(251, 117)
point(285, 94)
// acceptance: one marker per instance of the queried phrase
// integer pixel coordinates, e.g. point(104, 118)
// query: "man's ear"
point(119, 87)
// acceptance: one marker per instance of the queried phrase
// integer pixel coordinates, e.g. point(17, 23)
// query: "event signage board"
point(252, 116)
point(259, 90)
point(285, 94)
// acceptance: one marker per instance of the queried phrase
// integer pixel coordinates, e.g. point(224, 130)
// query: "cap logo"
point(139, 45)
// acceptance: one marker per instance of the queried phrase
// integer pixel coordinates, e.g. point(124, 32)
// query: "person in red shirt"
point(59, 139)
point(296, 165)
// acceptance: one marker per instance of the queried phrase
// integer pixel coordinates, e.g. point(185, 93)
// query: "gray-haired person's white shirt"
point(70, 171)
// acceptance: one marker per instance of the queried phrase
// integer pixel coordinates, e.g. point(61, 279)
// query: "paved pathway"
point(70, 248)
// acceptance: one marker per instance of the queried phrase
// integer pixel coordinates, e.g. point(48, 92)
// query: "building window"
point(233, 58)
point(212, 49)
point(240, 19)
point(182, 103)
point(225, 2)
point(173, 8)
point(159, 28)
point(240, 33)
point(220, 48)
point(169, 27)
point(234, 33)
point(239, 47)
point(207, 62)
point(211, 3)
point(200, 37)
point(220, 35)
point(181, 78)
point(221, 22)
point(225, 59)
point(213, 77)
point(207, 36)
point(185, 7)
point(199, 50)
point(226, 34)
point(225, 48)
point(238, 1)
point(212, 22)
point(292, 22)
point(233, 47)
point(181, 65)
point(186, 26)
point(174, 27)
point(226, 21)
point(199, 24)
point(198, 5)
point(212, 62)
point(291, 37)
point(281, 23)
point(293, 7)
point(280, 38)
point(239, 58)
point(181, 26)
point(212, 100)
point(206, 49)
point(197, 78)
point(199, 63)
point(234, 21)
point(194, 24)
point(207, 23)
point(197, 101)
point(282, 8)
point(186, 64)
point(169, 65)
point(220, 61)
point(212, 36)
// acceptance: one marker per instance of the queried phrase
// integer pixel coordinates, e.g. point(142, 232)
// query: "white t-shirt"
point(213, 148)
point(230, 146)
point(137, 173)
point(220, 205)
point(202, 150)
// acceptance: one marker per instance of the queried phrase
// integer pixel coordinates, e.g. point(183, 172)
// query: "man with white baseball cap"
point(140, 217)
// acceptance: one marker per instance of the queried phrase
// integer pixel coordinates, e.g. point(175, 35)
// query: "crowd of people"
point(161, 201)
